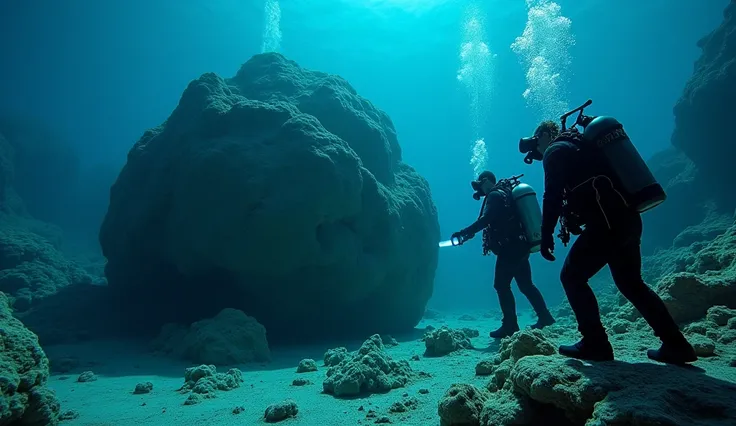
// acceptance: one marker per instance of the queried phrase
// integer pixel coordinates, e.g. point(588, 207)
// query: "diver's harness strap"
point(504, 187)
point(570, 221)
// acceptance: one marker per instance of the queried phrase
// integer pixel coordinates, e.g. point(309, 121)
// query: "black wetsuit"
point(512, 255)
point(612, 236)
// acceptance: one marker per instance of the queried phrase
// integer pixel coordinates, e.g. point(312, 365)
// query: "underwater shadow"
point(686, 391)
point(492, 348)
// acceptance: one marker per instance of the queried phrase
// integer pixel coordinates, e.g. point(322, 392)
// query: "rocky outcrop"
point(709, 279)
point(532, 385)
point(369, 370)
point(279, 192)
point(204, 382)
point(686, 204)
point(229, 338)
point(31, 268)
point(684, 249)
point(445, 340)
point(24, 370)
point(704, 114)
point(623, 393)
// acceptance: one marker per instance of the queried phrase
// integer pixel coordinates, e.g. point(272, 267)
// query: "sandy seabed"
point(120, 365)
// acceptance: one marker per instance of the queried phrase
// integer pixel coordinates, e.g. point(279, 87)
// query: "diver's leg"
point(587, 256)
point(523, 277)
point(502, 283)
point(625, 264)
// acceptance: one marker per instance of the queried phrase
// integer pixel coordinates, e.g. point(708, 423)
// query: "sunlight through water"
point(543, 49)
point(272, 27)
point(476, 74)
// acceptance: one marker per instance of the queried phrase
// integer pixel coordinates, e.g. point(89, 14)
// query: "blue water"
point(101, 73)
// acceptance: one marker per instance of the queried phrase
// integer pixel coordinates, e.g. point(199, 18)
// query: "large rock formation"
point(704, 115)
point(279, 192)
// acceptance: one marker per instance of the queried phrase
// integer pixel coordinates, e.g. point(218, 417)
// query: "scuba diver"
point(510, 219)
point(597, 185)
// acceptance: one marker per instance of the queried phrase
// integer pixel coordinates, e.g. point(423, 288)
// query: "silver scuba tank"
point(530, 214)
point(640, 188)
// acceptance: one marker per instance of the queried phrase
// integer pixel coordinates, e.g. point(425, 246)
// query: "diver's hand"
point(548, 247)
point(461, 236)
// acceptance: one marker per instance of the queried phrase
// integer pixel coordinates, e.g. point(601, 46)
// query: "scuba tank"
point(529, 214)
point(606, 135)
point(522, 199)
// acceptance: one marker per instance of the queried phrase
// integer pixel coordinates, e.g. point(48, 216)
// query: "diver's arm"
point(494, 207)
point(554, 164)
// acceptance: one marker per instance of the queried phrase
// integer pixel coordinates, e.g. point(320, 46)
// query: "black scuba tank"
point(637, 183)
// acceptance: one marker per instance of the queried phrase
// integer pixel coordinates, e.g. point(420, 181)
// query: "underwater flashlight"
point(451, 242)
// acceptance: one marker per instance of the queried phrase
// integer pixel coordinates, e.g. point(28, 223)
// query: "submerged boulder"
point(280, 192)
point(229, 338)
point(445, 340)
point(369, 370)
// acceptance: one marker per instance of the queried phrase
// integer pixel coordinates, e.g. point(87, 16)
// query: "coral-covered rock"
point(510, 408)
point(369, 370)
point(720, 315)
point(280, 192)
point(31, 269)
point(686, 246)
point(484, 367)
point(716, 332)
point(306, 366)
point(445, 340)
point(710, 280)
point(462, 405)
point(87, 376)
point(227, 339)
point(280, 411)
point(621, 393)
point(204, 382)
point(142, 388)
point(704, 113)
point(335, 356)
point(523, 343)
point(24, 370)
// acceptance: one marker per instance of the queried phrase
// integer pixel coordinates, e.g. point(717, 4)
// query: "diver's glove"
point(462, 236)
point(548, 247)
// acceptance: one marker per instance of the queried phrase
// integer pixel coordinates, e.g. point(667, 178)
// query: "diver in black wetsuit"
point(502, 236)
point(579, 189)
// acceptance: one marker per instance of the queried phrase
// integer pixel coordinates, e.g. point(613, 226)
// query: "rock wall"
point(279, 192)
point(704, 114)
